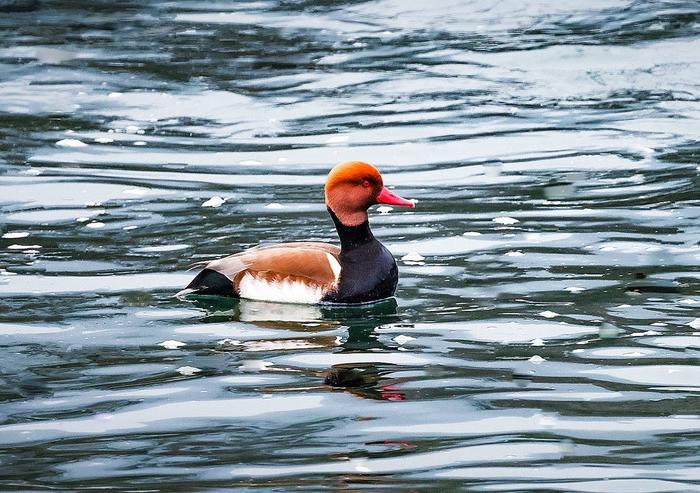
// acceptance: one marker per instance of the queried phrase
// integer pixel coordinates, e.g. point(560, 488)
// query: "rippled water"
point(548, 339)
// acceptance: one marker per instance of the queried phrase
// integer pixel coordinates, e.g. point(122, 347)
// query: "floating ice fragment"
point(131, 129)
point(161, 248)
point(22, 247)
point(402, 339)
point(215, 201)
point(688, 301)
point(608, 331)
point(548, 314)
point(384, 209)
point(95, 225)
point(83, 219)
point(695, 324)
point(30, 172)
point(129, 228)
point(140, 143)
point(170, 344)
point(114, 95)
point(505, 220)
point(536, 359)
point(15, 234)
point(514, 253)
point(574, 289)
point(188, 370)
point(471, 233)
point(413, 257)
point(537, 342)
point(71, 143)
point(274, 205)
point(250, 162)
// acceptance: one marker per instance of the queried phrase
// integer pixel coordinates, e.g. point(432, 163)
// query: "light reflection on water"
point(545, 331)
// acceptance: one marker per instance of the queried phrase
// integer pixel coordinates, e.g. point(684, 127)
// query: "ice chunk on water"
point(188, 370)
point(71, 143)
point(22, 247)
point(15, 234)
point(215, 201)
point(504, 220)
point(170, 344)
point(413, 257)
point(402, 339)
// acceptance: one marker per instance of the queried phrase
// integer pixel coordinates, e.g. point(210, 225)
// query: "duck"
point(360, 270)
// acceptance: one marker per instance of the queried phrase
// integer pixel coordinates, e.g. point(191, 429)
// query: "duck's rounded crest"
point(353, 172)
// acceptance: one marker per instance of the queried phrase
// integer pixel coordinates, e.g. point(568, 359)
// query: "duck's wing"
point(300, 272)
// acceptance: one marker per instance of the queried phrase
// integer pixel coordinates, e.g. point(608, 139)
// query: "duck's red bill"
point(386, 196)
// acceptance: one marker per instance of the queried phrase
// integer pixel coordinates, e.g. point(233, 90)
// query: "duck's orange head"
point(352, 187)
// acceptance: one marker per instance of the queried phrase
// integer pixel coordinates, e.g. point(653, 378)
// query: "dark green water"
point(548, 339)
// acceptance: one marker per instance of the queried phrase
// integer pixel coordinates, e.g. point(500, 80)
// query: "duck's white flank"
point(253, 287)
point(285, 291)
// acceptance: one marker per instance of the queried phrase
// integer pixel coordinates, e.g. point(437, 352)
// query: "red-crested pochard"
point(361, 270)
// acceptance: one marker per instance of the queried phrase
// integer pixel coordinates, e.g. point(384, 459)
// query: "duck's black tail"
point(209, 282)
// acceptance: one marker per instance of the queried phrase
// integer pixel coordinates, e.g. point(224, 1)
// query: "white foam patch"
point(286, 291)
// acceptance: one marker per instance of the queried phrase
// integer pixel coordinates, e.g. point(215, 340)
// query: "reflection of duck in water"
point(311, 322)
point(361, 270)
point(643, 284)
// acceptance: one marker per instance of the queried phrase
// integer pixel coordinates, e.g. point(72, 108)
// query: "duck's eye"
point(365, 184)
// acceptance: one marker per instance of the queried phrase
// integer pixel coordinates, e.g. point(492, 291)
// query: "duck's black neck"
point(352, 236)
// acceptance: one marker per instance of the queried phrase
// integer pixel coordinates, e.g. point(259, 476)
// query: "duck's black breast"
point(368, 273)
point(368, 269)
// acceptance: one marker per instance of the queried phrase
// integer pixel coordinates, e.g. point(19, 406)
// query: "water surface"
point(546, 330)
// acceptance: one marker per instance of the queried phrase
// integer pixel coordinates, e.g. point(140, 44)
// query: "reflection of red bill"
point(389, 393)
point(403, 445)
